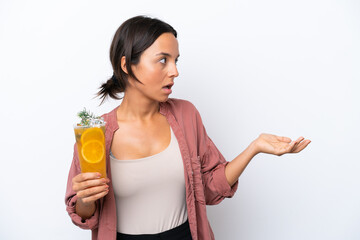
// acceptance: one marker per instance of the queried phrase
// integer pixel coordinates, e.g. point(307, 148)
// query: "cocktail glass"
point(90, 141)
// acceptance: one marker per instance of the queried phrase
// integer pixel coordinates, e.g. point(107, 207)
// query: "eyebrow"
point(166, 54)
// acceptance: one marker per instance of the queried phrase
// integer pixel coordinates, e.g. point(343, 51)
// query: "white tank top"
point(150, 192)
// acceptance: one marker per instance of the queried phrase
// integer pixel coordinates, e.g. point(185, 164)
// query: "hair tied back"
point(131, 39)
point(115, 81)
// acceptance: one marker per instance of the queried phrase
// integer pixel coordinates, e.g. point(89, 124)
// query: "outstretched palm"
point(272, 144)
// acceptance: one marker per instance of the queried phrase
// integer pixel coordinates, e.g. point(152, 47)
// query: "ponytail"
point(111, 88)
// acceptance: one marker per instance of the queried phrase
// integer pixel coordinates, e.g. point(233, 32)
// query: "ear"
point(123, 64)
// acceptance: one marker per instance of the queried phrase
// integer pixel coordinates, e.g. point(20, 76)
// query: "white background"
point(289, 68)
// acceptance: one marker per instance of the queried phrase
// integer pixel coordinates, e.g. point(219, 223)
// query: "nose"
point(173, 72)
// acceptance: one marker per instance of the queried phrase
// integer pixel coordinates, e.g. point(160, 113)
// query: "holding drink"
point(90, 141)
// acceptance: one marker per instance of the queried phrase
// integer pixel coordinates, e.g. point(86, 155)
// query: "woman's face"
point(157, 68)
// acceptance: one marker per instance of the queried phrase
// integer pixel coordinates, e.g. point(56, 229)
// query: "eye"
point(163, 60)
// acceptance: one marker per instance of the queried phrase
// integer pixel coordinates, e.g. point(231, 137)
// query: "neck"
point(137, 108)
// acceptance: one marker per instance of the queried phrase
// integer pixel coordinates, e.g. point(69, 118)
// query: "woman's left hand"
point(272, 144)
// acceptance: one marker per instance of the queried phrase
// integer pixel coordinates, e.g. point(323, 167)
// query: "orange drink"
point(90, 141)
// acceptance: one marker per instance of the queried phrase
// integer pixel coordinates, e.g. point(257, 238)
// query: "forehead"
point(165, 43)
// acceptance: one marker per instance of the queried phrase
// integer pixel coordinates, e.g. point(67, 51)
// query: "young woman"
point(162, 167)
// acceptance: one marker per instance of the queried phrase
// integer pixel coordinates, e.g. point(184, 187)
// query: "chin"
point(164, 100)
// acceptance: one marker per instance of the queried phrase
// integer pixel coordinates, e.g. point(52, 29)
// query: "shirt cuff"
point(222, 186)
point(90, 223)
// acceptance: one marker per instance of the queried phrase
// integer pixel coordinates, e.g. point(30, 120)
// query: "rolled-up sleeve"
point(213, 163)
point(70, 199)
point(215, 183)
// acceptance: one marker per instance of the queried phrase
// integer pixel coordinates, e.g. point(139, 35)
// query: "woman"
point(163, 168)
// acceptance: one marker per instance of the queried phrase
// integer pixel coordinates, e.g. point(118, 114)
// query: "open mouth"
point(168, 86)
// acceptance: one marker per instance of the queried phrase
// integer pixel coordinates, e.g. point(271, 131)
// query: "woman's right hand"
point(89, 187)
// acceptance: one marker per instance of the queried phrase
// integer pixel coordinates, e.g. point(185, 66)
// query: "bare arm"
point(85, 210)
point(265, 143)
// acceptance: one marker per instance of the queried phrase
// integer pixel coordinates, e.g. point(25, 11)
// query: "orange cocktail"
point(90, 141)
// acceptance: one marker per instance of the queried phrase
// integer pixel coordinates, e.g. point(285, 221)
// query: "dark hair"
point(131, 39)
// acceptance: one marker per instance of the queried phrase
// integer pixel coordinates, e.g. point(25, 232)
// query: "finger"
point(78, 186)
point(301, 146)
point(86, 176)
point(283, 139)
point(299, 140)
point(291, 147)
point(284, 148)
point(95, 197)
point(295, 143)
point(92, 191)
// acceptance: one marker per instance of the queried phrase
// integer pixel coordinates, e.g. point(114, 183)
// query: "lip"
point(167, 91)
point(170, 85)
